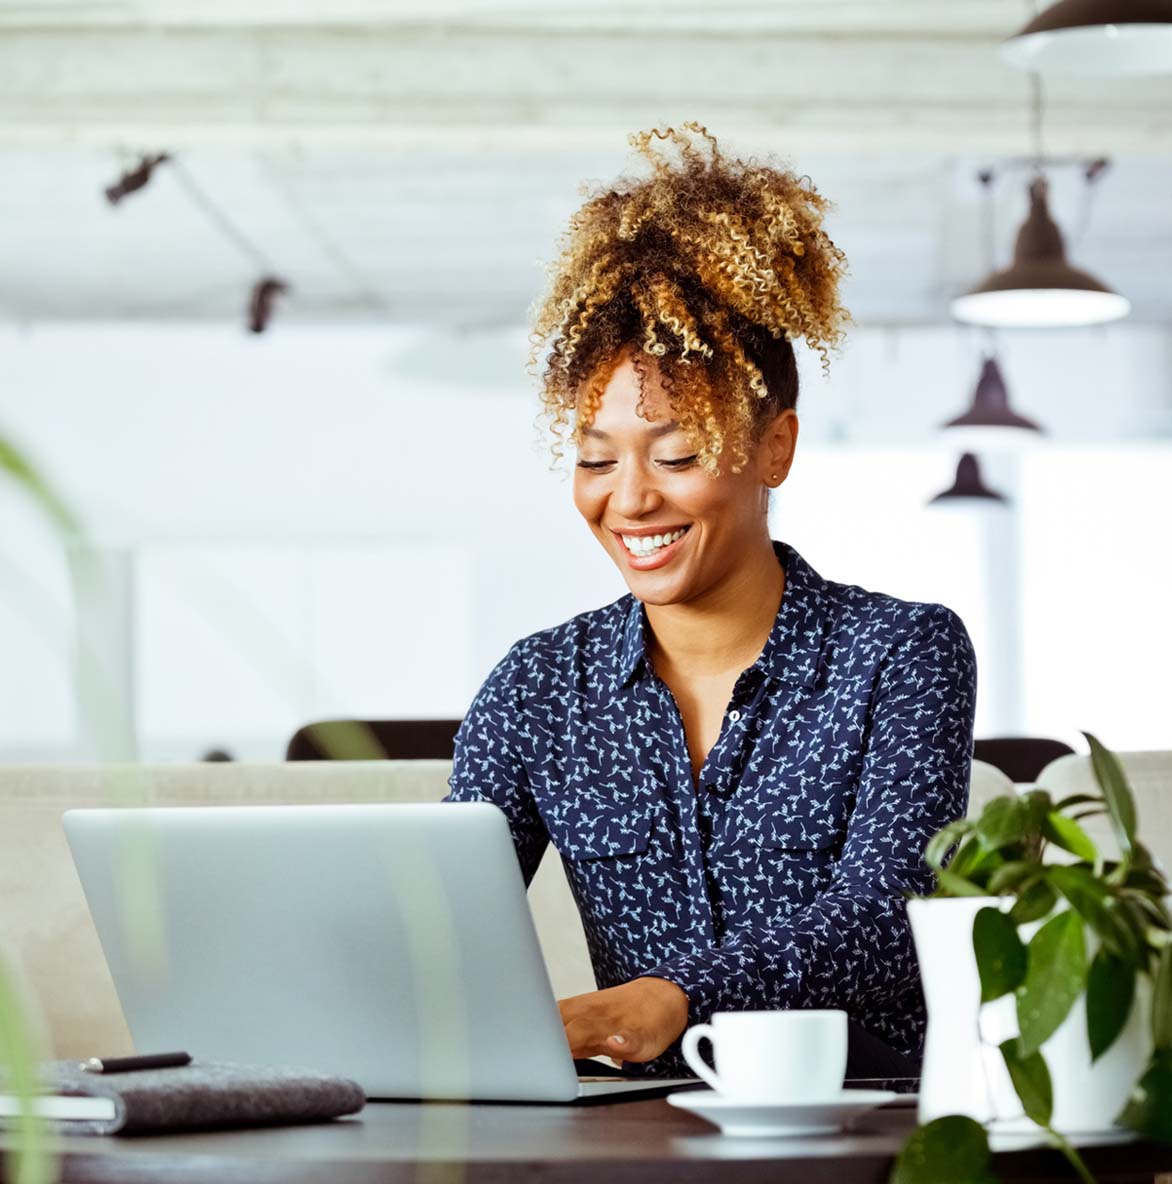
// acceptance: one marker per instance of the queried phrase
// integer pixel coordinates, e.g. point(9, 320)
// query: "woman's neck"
point(725, 629)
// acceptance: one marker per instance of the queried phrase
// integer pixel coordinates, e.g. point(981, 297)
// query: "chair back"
point(1020, 758)
point(374, 739)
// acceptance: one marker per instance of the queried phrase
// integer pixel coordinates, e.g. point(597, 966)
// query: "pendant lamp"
point(1040, 289)
point(968, 486)
point(1099, 38)
point(990, 421)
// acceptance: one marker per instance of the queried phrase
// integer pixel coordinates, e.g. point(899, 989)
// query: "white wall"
point(362, 520)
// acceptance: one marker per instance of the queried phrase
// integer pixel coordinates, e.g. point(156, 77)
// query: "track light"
point(135, 178)
point(1100, 38)
point(260, 305)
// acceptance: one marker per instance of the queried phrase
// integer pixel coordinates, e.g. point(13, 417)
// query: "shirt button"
point(734, 716)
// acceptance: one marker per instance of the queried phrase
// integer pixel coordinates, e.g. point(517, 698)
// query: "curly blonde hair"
point(706, 270)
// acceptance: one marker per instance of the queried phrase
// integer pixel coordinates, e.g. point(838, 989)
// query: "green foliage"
point(1001, 957)
point(1031, 1079)
point(952, 1150)
point(16, 466)
point(1116, 793)
point(1123, 903)
point(1110, 992)
point(1149, 1111)
point(1162, 1002)
point(1055, 977)
point(31, 1162)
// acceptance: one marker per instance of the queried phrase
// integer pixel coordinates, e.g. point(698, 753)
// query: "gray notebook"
point(202, 1095)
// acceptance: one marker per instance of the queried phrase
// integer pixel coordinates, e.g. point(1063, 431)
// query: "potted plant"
point(1047, 971)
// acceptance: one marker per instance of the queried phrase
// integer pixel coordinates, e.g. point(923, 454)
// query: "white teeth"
point(649, 544)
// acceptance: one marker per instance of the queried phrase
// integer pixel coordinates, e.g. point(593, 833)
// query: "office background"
point(352, 513)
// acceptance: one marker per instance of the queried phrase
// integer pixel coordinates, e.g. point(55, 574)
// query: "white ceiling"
point(415, 160)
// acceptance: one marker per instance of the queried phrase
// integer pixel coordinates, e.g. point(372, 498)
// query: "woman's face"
point(637, 479)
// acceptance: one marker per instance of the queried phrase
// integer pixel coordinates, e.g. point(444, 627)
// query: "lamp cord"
point(988, 214)
point(1037, 118)
point(362, 287)
point(1091, 173)
point(221, 221)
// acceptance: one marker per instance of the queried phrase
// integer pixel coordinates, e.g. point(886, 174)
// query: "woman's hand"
point(632, 1022)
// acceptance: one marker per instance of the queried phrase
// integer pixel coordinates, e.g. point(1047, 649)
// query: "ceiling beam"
point(484, 89)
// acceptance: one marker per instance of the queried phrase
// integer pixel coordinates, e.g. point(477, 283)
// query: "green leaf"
point(1149, 1109)
point(944, 840)
point(1001, 958)
point(1123, 933)
point(950, 1150)
point(1031, 1080)
point(1162, 1002)
point(1151, 912)
point(1034, 903)
point(1012, 876)
point(1110, 992)
point(1147, 879)
point(20, 469)
point(956, 885)
point(1002, 822)
point(1035, 804)
point(1056, 973)
point(1120, 803)
point(1141, 859)
point(967, 855)
point(1066, 833)
point(1089, 896)
point(1078, 799)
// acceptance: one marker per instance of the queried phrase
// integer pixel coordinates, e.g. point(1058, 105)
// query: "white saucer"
point(756, 1119)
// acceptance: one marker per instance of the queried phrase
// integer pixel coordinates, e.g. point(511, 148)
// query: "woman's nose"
point(635, 491)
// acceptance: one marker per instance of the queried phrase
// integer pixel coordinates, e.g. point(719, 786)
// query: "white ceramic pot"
point(963, 1070)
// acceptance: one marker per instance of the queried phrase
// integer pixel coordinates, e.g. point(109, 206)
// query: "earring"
point(772, 476)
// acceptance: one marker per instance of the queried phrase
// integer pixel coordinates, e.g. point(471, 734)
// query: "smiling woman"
point(739, 761)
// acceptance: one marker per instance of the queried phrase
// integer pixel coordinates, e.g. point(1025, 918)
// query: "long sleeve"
point(487, 764)
point(852, 944)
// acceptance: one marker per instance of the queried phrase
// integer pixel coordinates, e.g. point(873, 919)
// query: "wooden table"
point(646, 1142)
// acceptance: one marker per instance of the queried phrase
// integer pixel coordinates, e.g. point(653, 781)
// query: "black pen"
point(154, 1060)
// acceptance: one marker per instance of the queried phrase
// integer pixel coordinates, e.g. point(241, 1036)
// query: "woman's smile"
point(645, 552)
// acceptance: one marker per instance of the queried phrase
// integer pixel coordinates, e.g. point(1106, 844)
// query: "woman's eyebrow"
point(663, 429)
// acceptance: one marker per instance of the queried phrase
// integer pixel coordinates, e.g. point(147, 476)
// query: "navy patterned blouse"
point(779, 881)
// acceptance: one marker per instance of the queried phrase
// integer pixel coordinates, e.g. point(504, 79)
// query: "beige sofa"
point(45, 927)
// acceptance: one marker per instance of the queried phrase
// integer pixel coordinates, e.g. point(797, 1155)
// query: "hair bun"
point(691, 265)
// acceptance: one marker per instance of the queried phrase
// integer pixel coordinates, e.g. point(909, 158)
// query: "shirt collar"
point(794, 646)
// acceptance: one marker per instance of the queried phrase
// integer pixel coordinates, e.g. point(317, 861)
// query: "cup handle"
point(690, 1047)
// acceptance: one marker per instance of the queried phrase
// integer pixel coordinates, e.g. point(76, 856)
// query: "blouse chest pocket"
point(592, 832)
point(795, 832)
point(811, 831)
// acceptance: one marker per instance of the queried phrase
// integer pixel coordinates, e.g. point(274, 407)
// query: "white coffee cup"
point(772, 1056)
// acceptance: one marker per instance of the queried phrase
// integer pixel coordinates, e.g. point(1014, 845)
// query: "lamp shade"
point(990, 408)
point(968, 486)
point(1040, 289)
point(1100, 38)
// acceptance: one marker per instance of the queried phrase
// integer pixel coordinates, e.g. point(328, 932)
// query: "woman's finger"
point(625, 1045)
point(585, 1037)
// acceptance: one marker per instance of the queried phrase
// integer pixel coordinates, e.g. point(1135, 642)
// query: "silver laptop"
point(392, 944)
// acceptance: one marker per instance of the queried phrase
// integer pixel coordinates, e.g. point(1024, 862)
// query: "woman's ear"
point(778, 445)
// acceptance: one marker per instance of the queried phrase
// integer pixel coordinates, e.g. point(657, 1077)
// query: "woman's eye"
point(682, 462)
